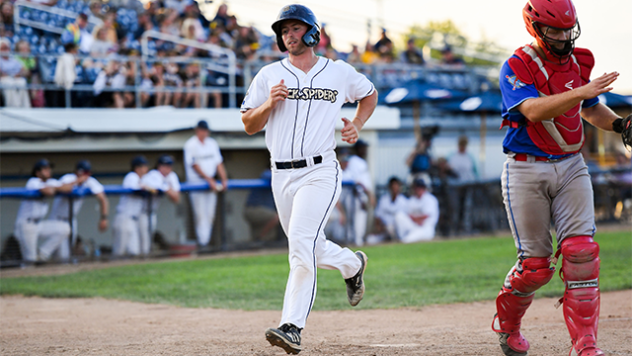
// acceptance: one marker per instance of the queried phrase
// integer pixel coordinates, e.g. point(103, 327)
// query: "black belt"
point(301, 163)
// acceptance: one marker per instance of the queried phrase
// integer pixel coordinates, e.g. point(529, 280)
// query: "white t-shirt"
point(154, 179)
point(130, 204)
point(426, 205)
point(304, 124)
point(387, 208)
point(360, 172)
point(35, 208)
point(206, 155)
point(463, 165)
point(59, 211)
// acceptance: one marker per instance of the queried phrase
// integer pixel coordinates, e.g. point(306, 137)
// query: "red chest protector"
point(563, 134)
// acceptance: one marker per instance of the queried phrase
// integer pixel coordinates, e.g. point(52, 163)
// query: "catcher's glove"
point(625, 129)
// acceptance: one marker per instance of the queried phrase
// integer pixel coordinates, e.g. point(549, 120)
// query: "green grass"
point(397, 276)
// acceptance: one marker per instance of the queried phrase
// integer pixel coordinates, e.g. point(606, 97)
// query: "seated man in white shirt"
point(387, 207)
point(59, 229)
point(419, 221)
point(162, 179)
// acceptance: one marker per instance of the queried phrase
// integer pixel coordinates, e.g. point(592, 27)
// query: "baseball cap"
point(41, 164)
point(84, 165)
point(165, 159)
point(419, 182)
point(139, 161)
point(202, 124)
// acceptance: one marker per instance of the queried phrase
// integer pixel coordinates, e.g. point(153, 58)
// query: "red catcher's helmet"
point(555, 14)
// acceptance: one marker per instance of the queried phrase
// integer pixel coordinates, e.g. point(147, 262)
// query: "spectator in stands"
point(157, 73)
point(161, 179)
point(192, 81)
point(96, 11)
point(101, 46)
point(30, 224)
point(78, 34)
point(325, 41)
point(110, 77)
point(246, 43)
point(202, 162)
point(173, 80)
point(412, 55)
point(65, 71)
point(388, 206)
point(169, 23)
point(449, 59)
point(144, 24)
point(192, 11)
point(13, 73)
point(464, 165)
point(29, 63)
point(418, 222)
point(6, 19)
point(192, 30)
point(384, 47)
point(126, 225)
point(57, 241)
point(443, 178)
point(369, 56)
point(260, 212)
point(221, 18)
point(110, 31)
point(354, 56)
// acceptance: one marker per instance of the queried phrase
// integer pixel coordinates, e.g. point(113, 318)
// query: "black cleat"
point(355, 284)
point(287, 337)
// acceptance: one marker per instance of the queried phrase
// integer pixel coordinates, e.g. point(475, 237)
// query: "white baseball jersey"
point(154, 179)
point(35, 209)
point(387, 208)
point(304, 125)
point(206, 155)
point(130, 204)
point(464, 165)
point(427, 204)
point(360, 171)
point(59, 211)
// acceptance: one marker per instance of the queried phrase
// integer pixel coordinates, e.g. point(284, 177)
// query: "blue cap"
point(419, 182)
point(165, 159)
point(41, 164)
point(360, 143)
point(84, 165)
point(202, 124)
point(139, 161)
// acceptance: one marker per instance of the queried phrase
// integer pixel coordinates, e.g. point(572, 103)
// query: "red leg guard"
point(580, 269)
point(516, 296)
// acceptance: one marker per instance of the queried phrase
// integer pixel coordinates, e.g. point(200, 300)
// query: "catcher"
point(546, 91)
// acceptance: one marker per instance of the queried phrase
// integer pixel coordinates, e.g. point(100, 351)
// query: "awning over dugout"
point(41, 130)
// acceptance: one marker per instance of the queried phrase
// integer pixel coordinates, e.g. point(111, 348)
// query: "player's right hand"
point(212, 184)
point(598, 86)
point(278, 93)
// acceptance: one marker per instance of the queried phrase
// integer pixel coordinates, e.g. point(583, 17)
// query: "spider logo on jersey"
point(312, 94)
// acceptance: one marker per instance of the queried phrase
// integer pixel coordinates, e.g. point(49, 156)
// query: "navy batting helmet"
point(300, 13)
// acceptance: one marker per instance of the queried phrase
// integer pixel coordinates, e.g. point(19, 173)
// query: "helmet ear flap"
point(311, 37)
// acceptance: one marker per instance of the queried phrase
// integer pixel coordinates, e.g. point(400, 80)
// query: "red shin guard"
point(516, 296)
point(580, 271)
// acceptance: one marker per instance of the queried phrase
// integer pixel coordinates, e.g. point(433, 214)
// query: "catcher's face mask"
point(559, 42)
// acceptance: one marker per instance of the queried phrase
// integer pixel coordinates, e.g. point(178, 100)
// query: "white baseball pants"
point(126, 235)
point(305, 198)
point(408, 231)
point(203, 204)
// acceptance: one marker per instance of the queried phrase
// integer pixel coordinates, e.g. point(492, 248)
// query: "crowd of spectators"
point(107, 34)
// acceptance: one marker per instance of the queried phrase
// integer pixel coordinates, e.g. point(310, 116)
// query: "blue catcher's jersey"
point(514, 93)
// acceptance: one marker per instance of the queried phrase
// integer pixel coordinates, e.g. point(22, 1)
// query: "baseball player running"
point(163, 179)
point(59, 229)
point(299, 99)
point(545, 87)
point(30, 224)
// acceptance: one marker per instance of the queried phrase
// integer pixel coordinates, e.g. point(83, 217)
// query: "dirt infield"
point(38, 326)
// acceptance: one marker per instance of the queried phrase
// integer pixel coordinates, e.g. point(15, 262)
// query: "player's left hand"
point(103, 224)
point(350, 132)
